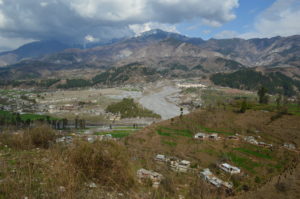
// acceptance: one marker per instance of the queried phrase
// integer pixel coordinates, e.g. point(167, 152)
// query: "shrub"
point(107, 163)
point(281, 187)
point(41, 136)
point(257, 179)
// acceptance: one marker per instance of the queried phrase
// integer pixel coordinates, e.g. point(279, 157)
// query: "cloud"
point(73, 20)
point(226, 34)
point(280, 19)
point(44, 4)
point(140, 28)
point(90, 38)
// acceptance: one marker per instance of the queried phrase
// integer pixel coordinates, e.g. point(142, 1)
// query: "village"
point(185, 166)
point(178, 165)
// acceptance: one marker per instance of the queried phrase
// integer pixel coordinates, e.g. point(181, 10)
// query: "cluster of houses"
point(252, 140)
point(89, 138)
point(208, 176)
point(93, 138)
point(18, 103)
point(191, 85)
point(184, 166)
point(174, 163)
point(113, 117)
point(75, 108)
point(63, 108)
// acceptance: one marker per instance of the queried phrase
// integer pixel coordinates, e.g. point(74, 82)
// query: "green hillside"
point(248, 79)
point(129, 109)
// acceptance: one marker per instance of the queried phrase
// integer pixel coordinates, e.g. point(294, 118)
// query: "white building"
point(213, 136)
point(251, 140)
point(180, 165)
point(183, 166)
point(200, 136)
point(229, 168)
point(208, 176)
point(155, 177)
point(289, 146)
point(160, 157)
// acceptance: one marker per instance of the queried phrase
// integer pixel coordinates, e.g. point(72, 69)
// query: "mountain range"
point(155, 49)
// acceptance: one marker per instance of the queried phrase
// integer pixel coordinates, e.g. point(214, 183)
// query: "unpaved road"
point(158, 103)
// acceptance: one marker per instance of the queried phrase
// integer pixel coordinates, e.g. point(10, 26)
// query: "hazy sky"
point(78, 21)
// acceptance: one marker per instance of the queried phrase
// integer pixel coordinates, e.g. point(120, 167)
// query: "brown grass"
point(59, 171)
point(38, 137)
point(147, 143)
point(106, 162)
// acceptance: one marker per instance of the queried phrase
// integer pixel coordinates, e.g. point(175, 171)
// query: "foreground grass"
point(58, 171)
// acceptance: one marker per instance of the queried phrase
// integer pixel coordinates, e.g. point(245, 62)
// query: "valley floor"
point(160, 102)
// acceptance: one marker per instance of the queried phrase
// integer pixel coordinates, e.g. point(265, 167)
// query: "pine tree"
point(243, 106)
point(262, 95)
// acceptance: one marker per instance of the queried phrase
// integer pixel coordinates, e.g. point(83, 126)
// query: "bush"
point(257, 179)
point(41, 136)
point(281, 187)
point(106, 163)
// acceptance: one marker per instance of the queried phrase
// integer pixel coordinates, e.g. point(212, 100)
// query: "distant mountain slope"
point(157, 51)
point(154, 46)
point(276, 51)
point(160, 50)
point(250, 79)
point(31, 50)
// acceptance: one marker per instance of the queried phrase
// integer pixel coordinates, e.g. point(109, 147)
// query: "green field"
point(209, 130)
point(127, 127)
point(24, 117)
point(253, 153)
point(243, 162)
point(165, 131)
point(169, 143)
point(12, 92)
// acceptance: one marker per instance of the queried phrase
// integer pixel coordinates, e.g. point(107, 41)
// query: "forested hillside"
point(249, 79)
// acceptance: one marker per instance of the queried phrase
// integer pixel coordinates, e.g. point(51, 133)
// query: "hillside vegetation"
point(127, 108)
point(260, 165)
point(249, 79)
